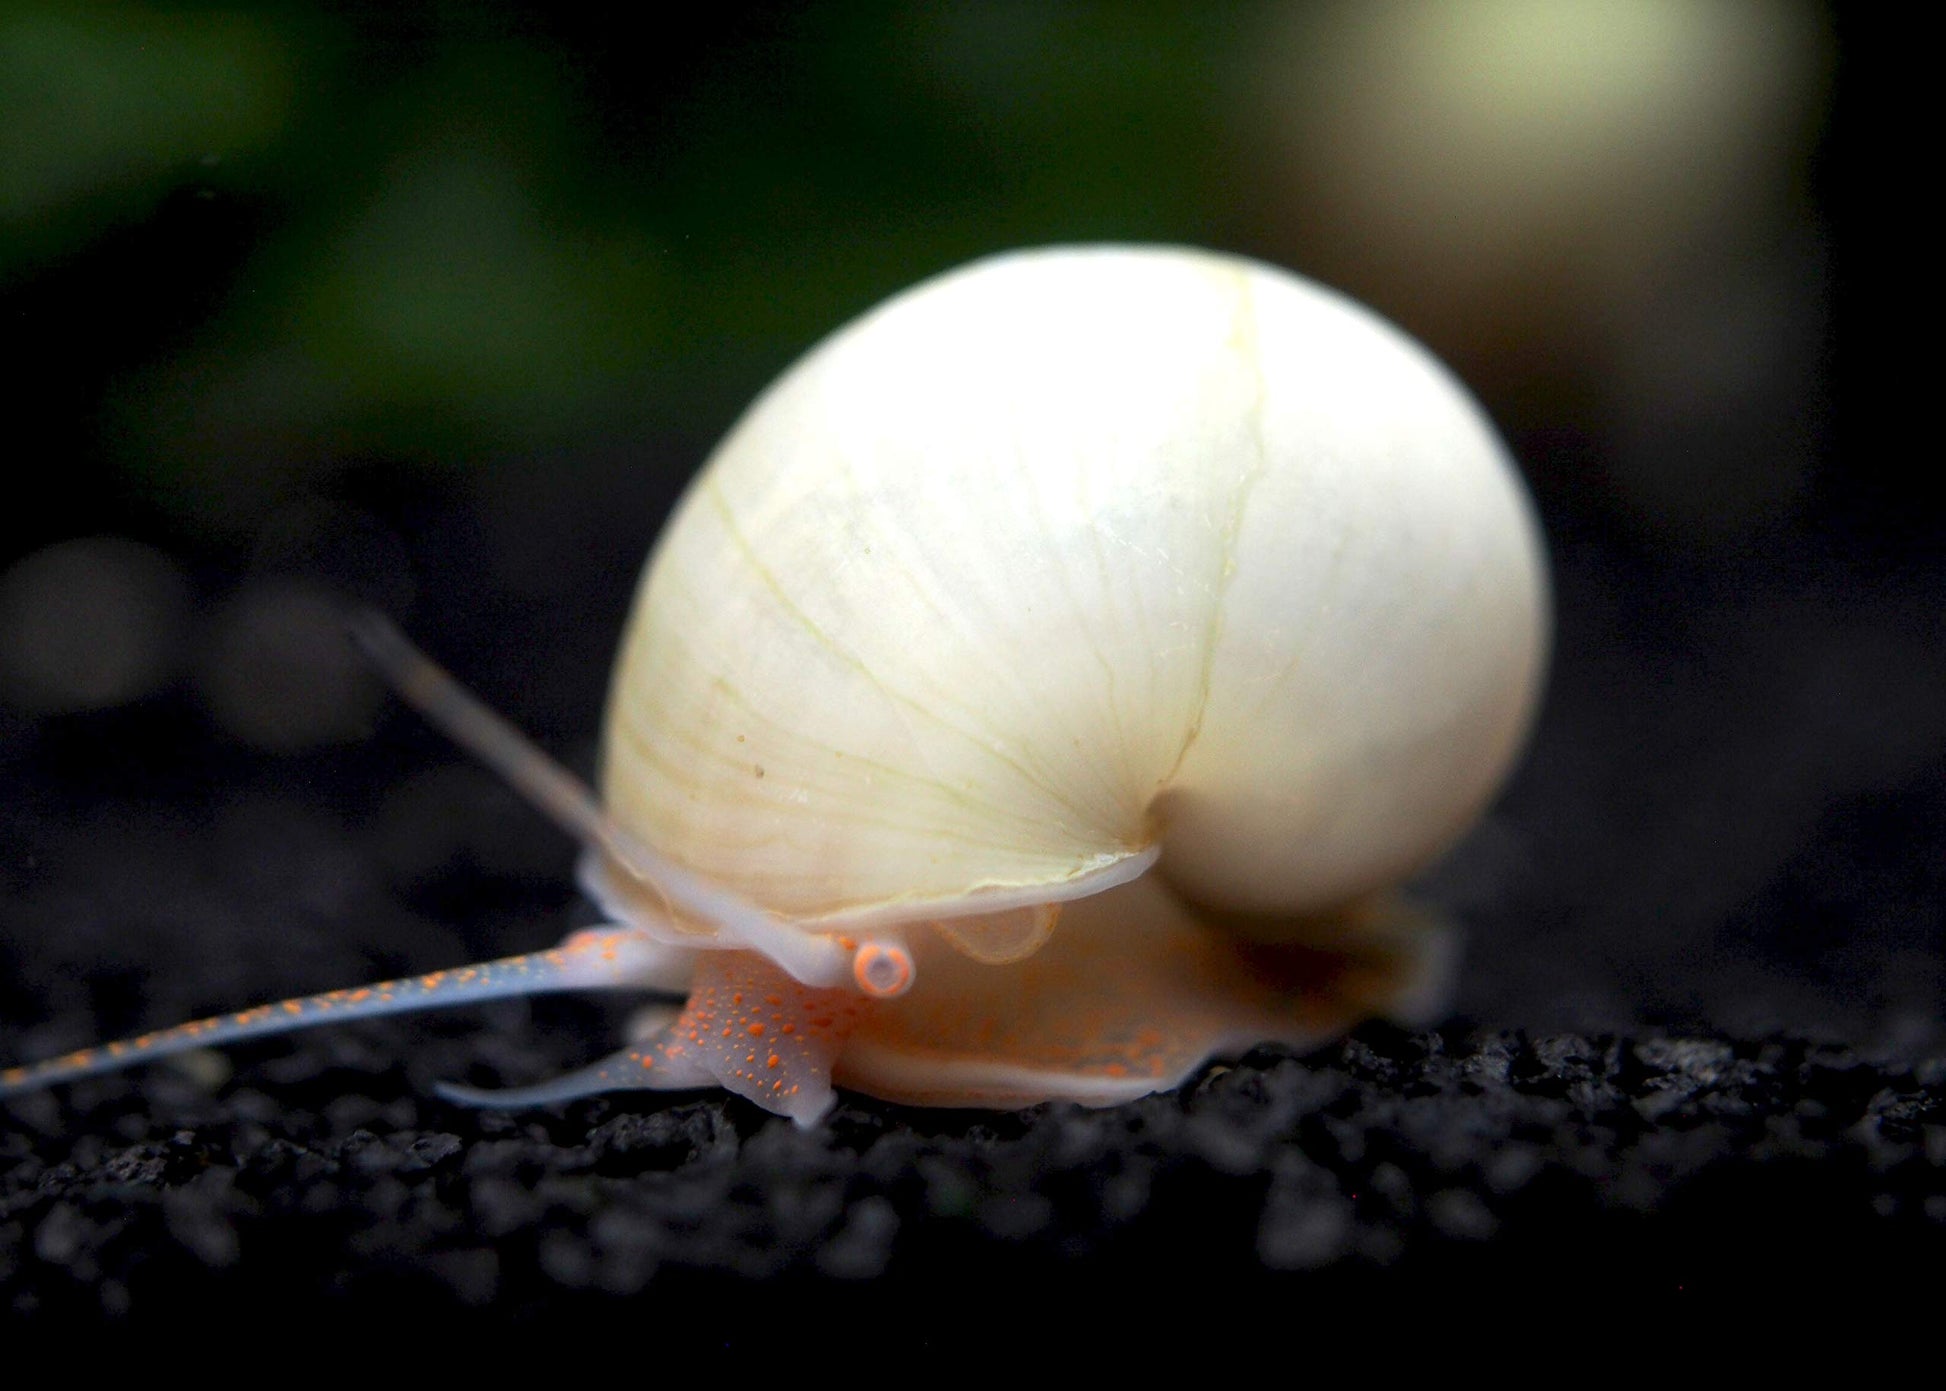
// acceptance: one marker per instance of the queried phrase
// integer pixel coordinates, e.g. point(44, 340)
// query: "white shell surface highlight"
point(1067, 551)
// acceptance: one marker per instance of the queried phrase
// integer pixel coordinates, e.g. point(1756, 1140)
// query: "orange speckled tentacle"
point(599, 958)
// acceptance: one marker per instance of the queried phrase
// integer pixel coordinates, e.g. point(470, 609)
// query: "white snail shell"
point(1035, 695)
point(1064, 556)
point(1073, 550)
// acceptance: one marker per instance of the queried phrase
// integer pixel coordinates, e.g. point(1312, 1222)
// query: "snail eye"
point(882, 969)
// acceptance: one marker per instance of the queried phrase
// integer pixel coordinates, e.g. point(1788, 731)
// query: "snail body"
point(1042, 689)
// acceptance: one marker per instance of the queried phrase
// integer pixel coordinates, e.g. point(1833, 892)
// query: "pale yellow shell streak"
point(976, 579)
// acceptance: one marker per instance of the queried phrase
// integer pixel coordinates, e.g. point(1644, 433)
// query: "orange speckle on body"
point(772, 1061)
point(756, 1030)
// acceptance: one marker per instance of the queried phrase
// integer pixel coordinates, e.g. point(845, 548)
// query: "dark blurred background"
point(436, 305)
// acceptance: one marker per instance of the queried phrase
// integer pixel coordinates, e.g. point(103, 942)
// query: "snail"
point(1041, 691)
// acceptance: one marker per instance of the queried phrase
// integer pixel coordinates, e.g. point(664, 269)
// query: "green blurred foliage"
point(470, 272)
point(102, 109)
point(266, 246)
point(477, 235)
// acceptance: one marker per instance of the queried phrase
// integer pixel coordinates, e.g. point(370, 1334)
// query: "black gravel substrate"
point(1448, 1170)
point(1697, 1054)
